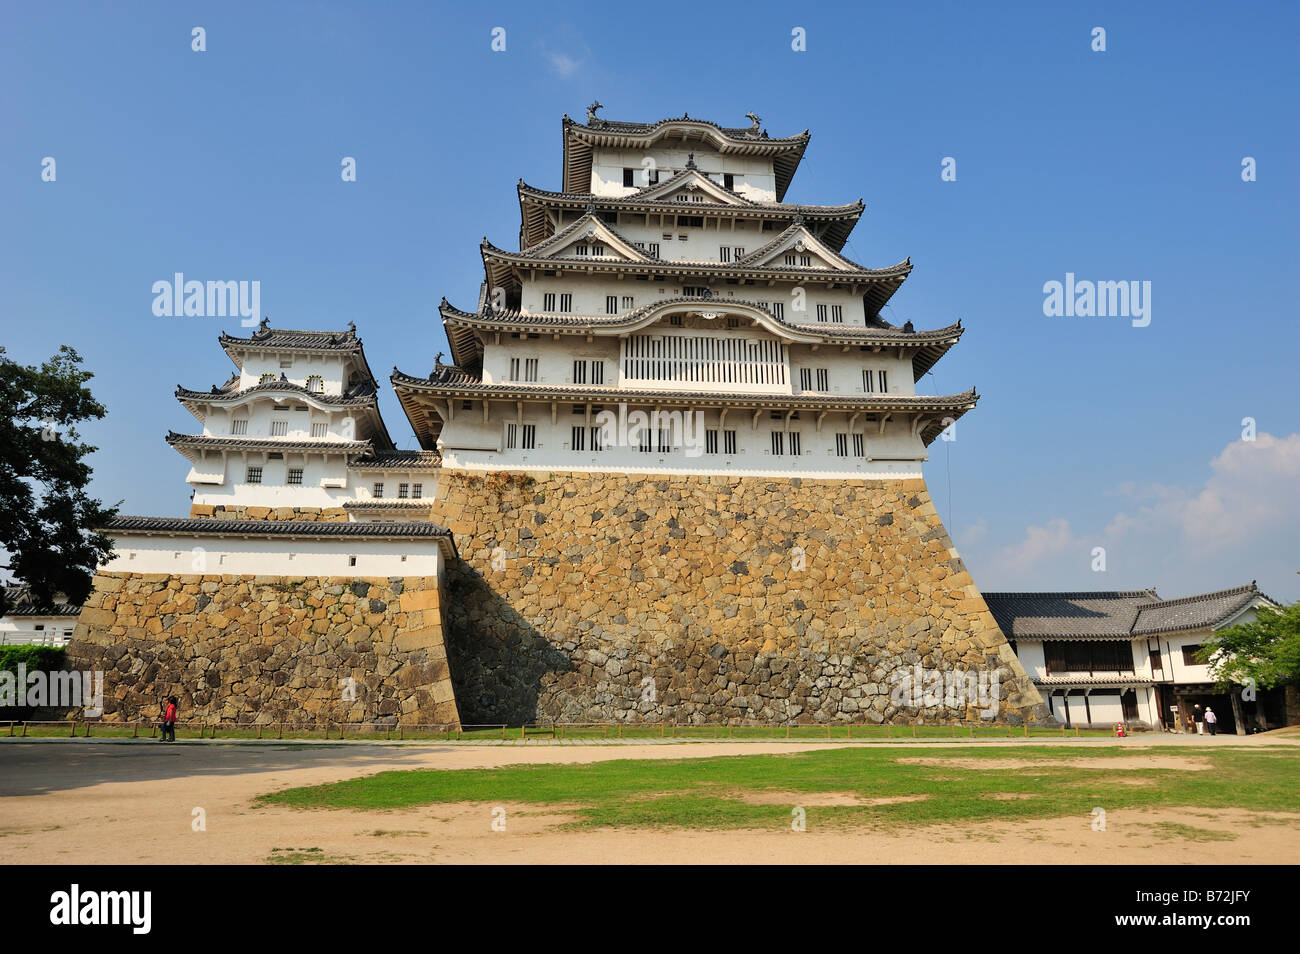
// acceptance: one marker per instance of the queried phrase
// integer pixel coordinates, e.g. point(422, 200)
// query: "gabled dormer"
point(588, 238)
point(797, 247)
point(687, 187)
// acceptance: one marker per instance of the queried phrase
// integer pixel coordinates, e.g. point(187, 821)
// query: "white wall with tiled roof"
point(185, 554)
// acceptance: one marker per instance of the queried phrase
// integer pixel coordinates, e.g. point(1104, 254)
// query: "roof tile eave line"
point(755, 206)
point(894, 336)
point(899, 270)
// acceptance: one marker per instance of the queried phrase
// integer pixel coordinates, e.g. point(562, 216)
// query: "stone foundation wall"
point(268, 648)
point(242, 512)
point(603, 597)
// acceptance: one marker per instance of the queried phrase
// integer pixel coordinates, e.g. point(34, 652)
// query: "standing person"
point(1197, 716)
point(169, 720)
point(1211, 720)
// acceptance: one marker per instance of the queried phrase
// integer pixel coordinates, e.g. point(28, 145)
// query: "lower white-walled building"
point(27, 621)
point(1111, 656)
point(186, 546)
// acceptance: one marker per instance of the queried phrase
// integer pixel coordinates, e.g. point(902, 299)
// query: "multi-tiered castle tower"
point(681, 451)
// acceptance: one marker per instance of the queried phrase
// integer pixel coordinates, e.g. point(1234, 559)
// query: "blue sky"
point(1115, 165)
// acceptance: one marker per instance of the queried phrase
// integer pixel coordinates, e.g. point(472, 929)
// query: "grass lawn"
point(713, 792)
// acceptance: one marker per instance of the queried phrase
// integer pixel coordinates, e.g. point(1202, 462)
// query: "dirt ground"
point(123, 803)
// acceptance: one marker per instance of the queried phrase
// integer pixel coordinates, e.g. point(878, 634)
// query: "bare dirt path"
point(134, 803)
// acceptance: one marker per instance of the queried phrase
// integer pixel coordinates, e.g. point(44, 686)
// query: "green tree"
point(1266, 651)
point(47, 520)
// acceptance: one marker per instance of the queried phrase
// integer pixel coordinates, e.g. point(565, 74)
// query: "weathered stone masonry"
point(574, 590)
point(267, 648)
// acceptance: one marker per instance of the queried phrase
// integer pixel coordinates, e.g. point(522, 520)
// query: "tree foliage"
point(1266, 650)
point(48, 522)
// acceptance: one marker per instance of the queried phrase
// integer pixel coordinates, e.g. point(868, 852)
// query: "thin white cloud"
point(563, 64)
point(1241, 522)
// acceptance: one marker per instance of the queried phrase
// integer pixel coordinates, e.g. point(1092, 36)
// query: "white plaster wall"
point(297, 413)
point(755, 176)
point(20, 630)
point(589, 295)
point(555, 360)
point(1182, 672)
point(334, 369)
point(469, 443)
point(273, 556)
point(326, 482)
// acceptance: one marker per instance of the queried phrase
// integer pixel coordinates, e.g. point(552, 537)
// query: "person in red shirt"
point(169, 720)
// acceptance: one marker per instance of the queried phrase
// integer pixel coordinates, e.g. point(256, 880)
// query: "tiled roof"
point(580, 141)
point(1113, 614)
point(1205, 610)
point(1099, 681)
point(399, 460)
point(360, 394)
point(22, 602)
point(529, 256)
point(1097, 615)
point(274, 528)
point(265, 444)
point(291, 339)
point(834, 223)
point(874, 334)
point(423, 504)
point(739, 133)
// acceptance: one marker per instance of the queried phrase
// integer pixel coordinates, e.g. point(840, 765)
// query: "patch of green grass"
point(708, 792)
point(1189, 832)
point(302, 856)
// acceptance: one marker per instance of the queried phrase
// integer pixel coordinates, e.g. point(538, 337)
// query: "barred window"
point(512, 436)
point(859, 446)
point(530, 436)
point(665, 440)
point(566, 301)
point(403, 491)
point(595, 438)
point(239, 426)
point(597, 372)
point(728, 442)
point(318, 429)
point(627, 302)
point(823, 379)
point(378, 489)
point(793, 438)
point(841, 445)
point(578, 440)
point(778, 443)
point(611, 304)
point(548, 301)
point(837, 314)
point(315, 384)
point(884, 383)
point(711, 440)
point(868, 382)
point(530, 369)
point(417, 491)
point(579, 372)
point(253, 475)
point(821, 312)
point(295, 476)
